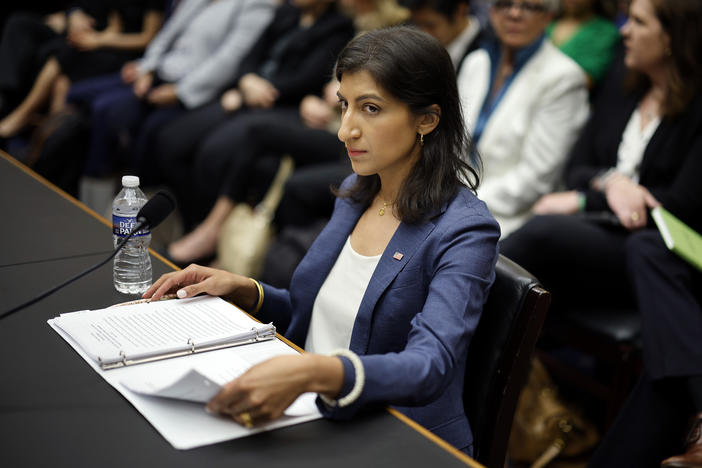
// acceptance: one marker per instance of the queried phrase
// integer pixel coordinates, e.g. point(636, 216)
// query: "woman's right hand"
point(268, 388)
point(628, 200)
point(196, 279)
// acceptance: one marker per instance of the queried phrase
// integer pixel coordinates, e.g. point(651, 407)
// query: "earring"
point(421, 139)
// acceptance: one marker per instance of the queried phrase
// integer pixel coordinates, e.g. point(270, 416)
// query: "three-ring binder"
point(266, 332)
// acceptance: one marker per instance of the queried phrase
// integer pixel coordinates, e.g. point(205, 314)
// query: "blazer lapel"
point(404, 244)
point(655, 146)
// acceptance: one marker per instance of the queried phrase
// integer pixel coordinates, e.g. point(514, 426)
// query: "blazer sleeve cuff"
point(354, 380)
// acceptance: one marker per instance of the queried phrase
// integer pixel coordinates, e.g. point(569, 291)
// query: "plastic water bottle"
point(132, 264)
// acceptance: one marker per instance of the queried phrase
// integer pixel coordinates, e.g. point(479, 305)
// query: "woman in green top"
point(584, 33)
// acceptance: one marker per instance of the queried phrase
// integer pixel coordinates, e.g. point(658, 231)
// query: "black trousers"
point(652, 424)
point(176, 146)
point(210, 153)
point(650, 427)
point(275, 132)
point(669, 294)
point(579, 260)
point(124, 128)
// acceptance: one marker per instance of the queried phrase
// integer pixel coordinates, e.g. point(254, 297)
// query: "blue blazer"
point(417, 316)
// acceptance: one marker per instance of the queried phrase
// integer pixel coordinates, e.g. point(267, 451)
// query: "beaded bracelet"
point(358, 384)
point(259, 303)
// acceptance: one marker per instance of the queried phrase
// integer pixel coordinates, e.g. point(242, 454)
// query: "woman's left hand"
point(268, 388)
point(628, 200)
point(557, 203)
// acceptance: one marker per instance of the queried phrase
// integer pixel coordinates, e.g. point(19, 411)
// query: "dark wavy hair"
point(445, 7)
point(681, 20)
point(416, 69)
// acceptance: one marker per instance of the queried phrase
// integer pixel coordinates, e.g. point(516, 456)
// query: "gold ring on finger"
point(246, 419)
point(635, 216)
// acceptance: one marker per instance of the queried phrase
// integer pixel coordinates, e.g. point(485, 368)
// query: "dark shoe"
point(692, 458)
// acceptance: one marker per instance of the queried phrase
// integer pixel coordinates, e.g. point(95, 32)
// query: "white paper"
point(186, 425)
point(143, 330)
point(201, 383)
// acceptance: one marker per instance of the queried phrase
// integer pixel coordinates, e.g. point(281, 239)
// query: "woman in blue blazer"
point(388, 297)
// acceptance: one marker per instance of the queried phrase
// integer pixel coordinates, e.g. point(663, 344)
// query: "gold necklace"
point(381, 212)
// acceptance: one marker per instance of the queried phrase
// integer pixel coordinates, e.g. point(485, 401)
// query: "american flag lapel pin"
point(398, 256)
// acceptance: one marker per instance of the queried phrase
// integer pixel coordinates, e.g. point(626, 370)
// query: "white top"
point(457, 48)
point(336, 306)
point(634, 143)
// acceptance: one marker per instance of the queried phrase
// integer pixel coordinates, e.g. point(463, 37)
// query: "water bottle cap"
point(130, 181)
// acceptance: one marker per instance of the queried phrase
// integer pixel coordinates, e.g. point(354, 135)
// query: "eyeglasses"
point(504, 6)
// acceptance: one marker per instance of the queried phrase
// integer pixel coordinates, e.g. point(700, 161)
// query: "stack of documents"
point(170, 357)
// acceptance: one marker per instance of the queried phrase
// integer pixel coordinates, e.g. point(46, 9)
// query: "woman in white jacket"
point(524, 103)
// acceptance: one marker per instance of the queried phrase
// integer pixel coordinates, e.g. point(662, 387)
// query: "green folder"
point(678, 236)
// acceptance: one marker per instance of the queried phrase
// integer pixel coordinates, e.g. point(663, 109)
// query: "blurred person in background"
point(207, 155)
point(525, 103)
point(53, 52)
point(189, 63)
point(307, 133)
point(584, 31)
point(641, 148)
point(448, 21)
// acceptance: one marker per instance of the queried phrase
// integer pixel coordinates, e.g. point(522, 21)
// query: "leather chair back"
point(499, 357)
